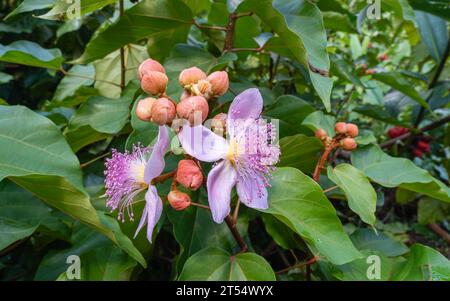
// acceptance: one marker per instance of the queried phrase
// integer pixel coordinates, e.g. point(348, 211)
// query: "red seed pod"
point(163, 111)
point(219, 82)
point(417, 153)
point(144, 108)
point(383, 57)
point(348, 144)
point(194, 109)
point(154, 82)
point(321, 134)
point(178, 200)
point(370, 71)
point(150, 65)
point(397, 131)
point(189, 174)
point(352, 130)
point(424, 146)
point(191, 76)
point(340, 128)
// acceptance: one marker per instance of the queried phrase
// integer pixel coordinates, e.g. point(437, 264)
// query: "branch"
point(232, 226)
point(164, 177)
point(123, 67)
point(321, 163)
point(439, 231)
point(299, 265)
point(202, 26)
point(229, 37)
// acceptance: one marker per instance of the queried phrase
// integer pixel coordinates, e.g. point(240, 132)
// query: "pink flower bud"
point(144, 108)
point(154, 82)
point(150, 65)
point(189, 174)
point(191, 76)
point(178, 200)
point(193, 108)
point(340, 128)
point(219, 82)
point(321, 134)
point(185, 95)
point(352, 130)
point(219, 123)
point(348, 144)
point(163, 111)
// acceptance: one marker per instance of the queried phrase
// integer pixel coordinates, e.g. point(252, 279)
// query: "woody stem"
point(321, 163)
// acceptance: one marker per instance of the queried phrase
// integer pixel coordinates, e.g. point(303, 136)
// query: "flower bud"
point(154, 82)
point(219, 123)
point(163, 111)
point(348, 144)
point(340, 128)
point(321, 134)
point(191, 76)
point(194, 108)
point(189, 174)
point(202, 88)
point(148, 66)
point(370, 71)
point(352, 130)
point(144, 108)
point(178, 200)
point(219, 82)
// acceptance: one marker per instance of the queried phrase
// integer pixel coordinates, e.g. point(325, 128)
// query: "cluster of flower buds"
point(383, 57)
point(397, 131)
point(198, 87)
point(345, 134)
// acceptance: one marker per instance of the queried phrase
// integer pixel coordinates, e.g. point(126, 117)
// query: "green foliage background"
point(62, 109)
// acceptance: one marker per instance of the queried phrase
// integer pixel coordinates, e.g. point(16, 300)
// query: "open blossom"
point(246, 160)
point(129, 173)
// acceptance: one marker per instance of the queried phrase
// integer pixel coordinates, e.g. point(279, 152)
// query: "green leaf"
point(30, 5)
point(367, 239)
point(338, 22)
point(392, 172)
point(299, 202)
point(295, 22)
point(423, 263)
point(300, 151)
point(361, 196)
point(12, 231)
point(31, 54)
point(398, 82)
point(344, 70)
point(290, 112)
point(282, 234)
point(44, 164)
point(401, 8)
point(438, 8)
point(318, 120)
point(82, 136)
point(142, 21)
point(215, 264)
point(195, 230)
point(379, 113)
point(63, 9)
point(434, 34)
point(108, 70)
point(77, 77)
point(431, 211)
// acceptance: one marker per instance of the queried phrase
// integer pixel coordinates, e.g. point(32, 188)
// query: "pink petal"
point(202, 143)
point(152, 212)
point(155, 164)
point(252, 192)
point(221, 180)
point(248, 104)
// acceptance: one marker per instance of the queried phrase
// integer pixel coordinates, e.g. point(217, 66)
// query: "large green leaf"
point(361, 196)
point(35, 156)
point(63, 9)
point(77, 77)
point(434, 34)
point(290, 112)
point(300, 151)
point(423, 263)
point(296, 22)
point(368, 239)
point(438, 8)
point(31, 54)
point(299, 202)
point(30, 5)
point(282, 234)
point(392, 172)
point(319, 120)
point(398, 82)
point(143, 20)
point(218, 265)
point(431, 211)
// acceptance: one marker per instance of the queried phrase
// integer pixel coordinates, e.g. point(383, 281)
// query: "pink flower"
point(245, 161)
point(128, 174)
